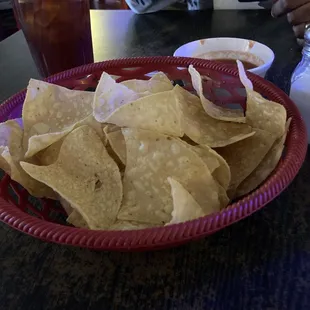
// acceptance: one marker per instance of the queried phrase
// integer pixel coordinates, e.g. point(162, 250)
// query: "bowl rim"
point(263, 67)
point(172, 235)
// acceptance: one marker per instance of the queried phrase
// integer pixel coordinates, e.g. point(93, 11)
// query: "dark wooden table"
point(261, 263)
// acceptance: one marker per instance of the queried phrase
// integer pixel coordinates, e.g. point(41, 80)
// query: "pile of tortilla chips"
point(140, 153)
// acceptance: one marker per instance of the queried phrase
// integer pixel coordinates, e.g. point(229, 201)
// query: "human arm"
point(297, 11)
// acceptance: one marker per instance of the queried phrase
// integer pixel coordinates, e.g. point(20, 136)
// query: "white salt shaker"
point(300, 83)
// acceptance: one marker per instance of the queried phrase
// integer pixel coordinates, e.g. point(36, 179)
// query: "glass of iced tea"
point(57, 31)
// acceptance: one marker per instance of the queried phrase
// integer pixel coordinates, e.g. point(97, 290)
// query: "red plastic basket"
point(45, 219)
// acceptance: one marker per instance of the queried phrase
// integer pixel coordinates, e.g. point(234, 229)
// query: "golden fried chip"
point(185, 207)
point(108, 128)
point(202, 128)
point(11, 134)
point(4, 165)
point(151, 159)
point(222, 174)
point(130, 225)
point(216, 112)
point(77, 220)
point(216, 164)
point(262, 113)
point(207, 156)
point(158, 112)
point(85, 176)
point(246, 82)
point(74, 217)
point(65, 204)
point(49, 155)
point(267, 165)
point(244, 156)
point(109, 96)
point(158, 83)
point(50, 112)
point(117, 141)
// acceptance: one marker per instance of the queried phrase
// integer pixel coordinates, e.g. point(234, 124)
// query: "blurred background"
point(8, 24)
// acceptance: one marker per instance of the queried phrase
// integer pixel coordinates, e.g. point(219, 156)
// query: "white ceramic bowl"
point(233, 48)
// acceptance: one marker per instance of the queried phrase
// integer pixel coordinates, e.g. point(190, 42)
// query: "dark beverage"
point(57, 31)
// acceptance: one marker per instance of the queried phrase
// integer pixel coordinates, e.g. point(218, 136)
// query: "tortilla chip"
point(4, 165)
point(202, 128)
point(50, 112)
point(216, 164)
point(267, 165)
point(38, 143)
point(34, 188)
point(10, 141)
point(158, 112)
point(158, 83)
point(262, 113)
point(246, 82)
point(185, 207)
point(117, 142)
point(65, 204)
point(216, 112)
point(209, 159)
point(74, 217)
point(151, 159)
point(109, 96)
point(77, 220)
point(49, 155)
point(244, 156)
point(85, 176)
point(222, 174)
point(108, 128)
point(129, 225)
point(98, 127)
point(188, 140)
point(11, 134)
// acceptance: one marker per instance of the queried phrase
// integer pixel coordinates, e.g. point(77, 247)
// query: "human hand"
point(298, 13)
